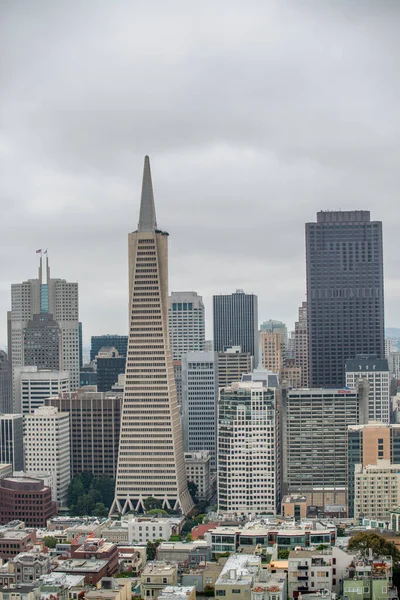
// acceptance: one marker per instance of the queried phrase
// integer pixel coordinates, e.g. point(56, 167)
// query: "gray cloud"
point(255, 115)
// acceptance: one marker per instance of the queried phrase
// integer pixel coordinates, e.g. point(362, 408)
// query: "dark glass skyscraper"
point(236, 322)
point(345, 302)
point(119, 342)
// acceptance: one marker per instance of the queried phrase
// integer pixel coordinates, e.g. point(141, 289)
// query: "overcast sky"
point(255, 115)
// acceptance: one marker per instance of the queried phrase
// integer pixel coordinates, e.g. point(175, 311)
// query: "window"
point(220, 593)
point(235, 591)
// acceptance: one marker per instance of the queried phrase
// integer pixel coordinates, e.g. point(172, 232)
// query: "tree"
point(151, 503)
point(364, 541)
point(50, 541)
point(157, 511)
point(151, 549)
point(100, 510)
point(283, 554)
point(193, 489)
point(86, 491)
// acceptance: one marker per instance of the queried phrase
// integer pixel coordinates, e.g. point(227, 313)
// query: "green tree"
point(193, 490)
point(151, 503)
point(75, 489)
point(189, 537)
point(151, 549)
point(283, 554)
point(364, 541)
point(188, 526)
point(84, 505)
point(50, 541)
point(100, 510)
point(157, 511)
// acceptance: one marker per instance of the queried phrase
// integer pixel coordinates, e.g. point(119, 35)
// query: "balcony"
point(302, 578)
point(302, 567)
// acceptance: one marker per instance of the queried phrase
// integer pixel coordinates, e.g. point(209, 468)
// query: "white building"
point(144, 529)
point(199, 402)
point(198, 471)
point(394, 364)
point(186, 323)
point(47, 447)
point(57, 297)
point(32, 386)
point(376, 371)
point(376, 490)
point(309, 571)
point(248, 446)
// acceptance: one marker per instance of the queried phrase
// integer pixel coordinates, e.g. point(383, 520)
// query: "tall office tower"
point(150, 461)
point(301, 344)
point(274, 326)
point(6, 399)
point(32, 386)
point(376, 371)
point(80, 345)
point(290, 375)
point(291, 346)
point(55, 297)
point(388, 346)
point(120, 342)
point(394, 364)
point(248, 447)
point(186, 323)
point(47, 447)
point(94, 424)
point(315, 425)
point(109, 365)
point(344, 293)
point(232, 364)
point(12, 441)
point(236, 322)
point(272, 357)
point(366, 444)
point(199, 402)
point(42, 343)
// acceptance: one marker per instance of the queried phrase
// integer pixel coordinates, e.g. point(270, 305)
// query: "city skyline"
point(236, 181)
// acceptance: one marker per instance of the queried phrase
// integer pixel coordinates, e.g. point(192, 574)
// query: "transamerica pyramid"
point(150, 460)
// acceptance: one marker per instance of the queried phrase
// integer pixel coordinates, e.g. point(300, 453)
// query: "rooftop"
point(172, 591)
point(80, 565)
point(239, 569)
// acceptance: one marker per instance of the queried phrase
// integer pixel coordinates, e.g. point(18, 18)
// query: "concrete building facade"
point(6, 396)
point(301, 344)
point(32, 386)
point(151, 457)
point(186, 323)
point(235, 318)
point(198, 470)
point(376, 371)
point(47, 447)
point(12, 441)
point(272, 356)
point(376, 490)
point(232, 364)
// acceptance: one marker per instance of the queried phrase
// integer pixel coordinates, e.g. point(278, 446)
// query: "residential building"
point(242, 574)
point(98, 549)
point(198, 466)
point(345, 298)
point(47, 447)
point(294, 507)
point(55, 297)
point(315, 425)
point(33, 386)
point(301, 344)
point(232, 364)
point(92, 569)
point(109, 366)
point(6, 397)
point(309, 572)
point(190, 553)
point(111, 588)
point(186, 323)
point(376, 371)
point(42, 343)
point(376, 490)
point(119, 342)
point(155, 577)
point(151, 461)
point(199, 402)
point(236, 322)
point(29, 566)
point(94, 425)
point(249, 447)
point(366, 445)
point(366, 580)
point(26, 499)
point(14, 541)
point(149, 529)
point(12, 441)
point(171, 592)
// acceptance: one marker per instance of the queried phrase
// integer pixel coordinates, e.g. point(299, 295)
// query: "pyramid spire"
point(147, 216)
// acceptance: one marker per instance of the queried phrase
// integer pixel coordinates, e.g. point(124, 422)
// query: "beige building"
point(110, 588)
point(243, 577)
point(198, 471)
point(232, 364)
point(294, 507)
point(291, 375)
point(376, 490)
point(155, 577)
point(271, 351)
point(301, 344)
point(187, 592)
point(151, 459)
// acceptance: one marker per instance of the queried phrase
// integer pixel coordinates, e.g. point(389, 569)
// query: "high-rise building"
point(151, 458)
point(42, 342)
point(273, 326)
point(94, 424)
point(249, 447)
point(232, 364)
point(394, 364)
point(199, 472)
point(376, 371)
point(301, 344)
point(55, 297)
point(12, 441)
point(186, 323)
point(236, 322)
point(272, 357)
point(345, 300)
point(47, 447)
point(109, 365)
point(366, 445)
point(6, 399)
point(120, 342)
point(315, 425)
point(32, 386)
point(199, 402)
point(376, 490)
